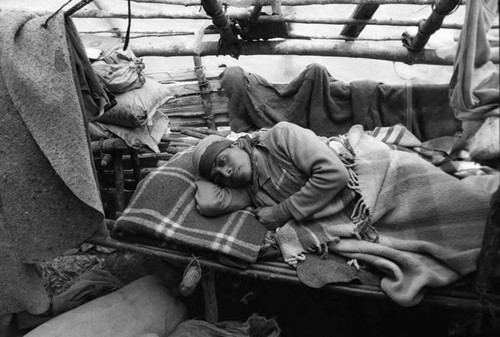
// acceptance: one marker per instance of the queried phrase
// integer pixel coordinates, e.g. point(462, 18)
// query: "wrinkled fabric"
point(474, 86)
point(50, 201)
point(429, 224)
point(317, 101)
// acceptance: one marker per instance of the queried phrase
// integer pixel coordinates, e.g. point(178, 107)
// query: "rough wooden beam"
point(380, 51)
point(293, 34)
point(361, 12)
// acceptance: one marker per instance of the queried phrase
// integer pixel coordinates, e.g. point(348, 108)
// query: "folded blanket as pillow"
point(164, 207)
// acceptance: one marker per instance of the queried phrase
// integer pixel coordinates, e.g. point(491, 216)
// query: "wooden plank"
point(361, 12)
point(184, 75)
point(222, 120)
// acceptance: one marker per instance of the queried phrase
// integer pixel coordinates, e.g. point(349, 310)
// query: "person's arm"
point(213, 200)
point(327, 174)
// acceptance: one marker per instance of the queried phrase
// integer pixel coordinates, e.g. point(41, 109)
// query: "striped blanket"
point(428, 224)
point(163, 207)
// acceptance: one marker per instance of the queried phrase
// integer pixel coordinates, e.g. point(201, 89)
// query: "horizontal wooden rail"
point(300, 2)
point(181, 47)
point(245, 15)
point(280, 272)
point(293, 34)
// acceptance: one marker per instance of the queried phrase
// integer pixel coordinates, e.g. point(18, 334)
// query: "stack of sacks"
point(134, 118)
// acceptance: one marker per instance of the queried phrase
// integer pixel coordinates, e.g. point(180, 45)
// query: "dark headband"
point(210, 155)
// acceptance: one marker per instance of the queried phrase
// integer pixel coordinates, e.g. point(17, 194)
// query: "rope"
point(77, 7)
point(45, 24)
point(129, 24)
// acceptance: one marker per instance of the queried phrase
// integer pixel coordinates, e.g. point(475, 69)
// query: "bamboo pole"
point(300, 2)
point(181, 47)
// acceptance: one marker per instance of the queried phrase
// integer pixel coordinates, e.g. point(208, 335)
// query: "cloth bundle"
point(164, 207)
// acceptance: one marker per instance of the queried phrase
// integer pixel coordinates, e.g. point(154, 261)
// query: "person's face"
point(232, 168)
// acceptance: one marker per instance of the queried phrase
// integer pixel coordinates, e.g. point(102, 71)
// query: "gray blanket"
point(317, 101)
point(49, 197)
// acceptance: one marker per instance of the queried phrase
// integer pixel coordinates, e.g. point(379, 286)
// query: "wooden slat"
point(180, 88)
point(361, 12)
point(192, 104)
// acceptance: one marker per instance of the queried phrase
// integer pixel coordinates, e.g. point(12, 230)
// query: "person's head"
point(223, 162)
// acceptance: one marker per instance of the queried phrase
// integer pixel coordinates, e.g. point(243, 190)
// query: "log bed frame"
point(198, 108)
point(187, 113)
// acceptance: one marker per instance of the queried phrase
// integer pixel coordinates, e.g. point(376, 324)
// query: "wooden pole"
point(119, 181)
point(361, 12)
point(379, 51)
point(246, 15)
point(428, 27)
point(281, 273)
point(205, 89)
point(488, 257)
point(292, 33)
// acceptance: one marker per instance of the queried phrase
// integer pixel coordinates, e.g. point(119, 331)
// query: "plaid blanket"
point(164, 207)
point(427, 225)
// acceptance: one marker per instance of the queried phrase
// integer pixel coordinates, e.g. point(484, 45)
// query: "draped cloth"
point(429, 224)
point(474, 86)
point(315, 100)
point(49, 198)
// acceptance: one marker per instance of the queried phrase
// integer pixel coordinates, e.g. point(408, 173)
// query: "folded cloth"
point(50, 201)
point(425, 226)
point(163, 206)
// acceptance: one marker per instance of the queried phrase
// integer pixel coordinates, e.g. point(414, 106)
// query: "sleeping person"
point(354, 195)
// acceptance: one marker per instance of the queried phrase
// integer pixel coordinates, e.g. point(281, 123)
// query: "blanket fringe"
point(363, 229)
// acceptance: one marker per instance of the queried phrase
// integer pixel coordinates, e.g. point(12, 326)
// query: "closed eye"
point(221, 161)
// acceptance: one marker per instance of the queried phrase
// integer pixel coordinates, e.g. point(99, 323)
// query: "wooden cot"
point(187, 113)
point(199, 108)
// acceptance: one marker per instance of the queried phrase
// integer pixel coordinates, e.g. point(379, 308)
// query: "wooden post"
point(119, 181)
point(136, 164)
point(211, 308)
point(362, 12)
point(488, 256)
point(204, 85)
